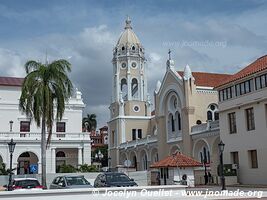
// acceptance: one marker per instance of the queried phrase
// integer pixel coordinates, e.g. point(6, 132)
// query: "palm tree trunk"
point(43, 152)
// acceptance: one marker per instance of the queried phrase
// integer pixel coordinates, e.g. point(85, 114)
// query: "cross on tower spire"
point(169, 52)
point(128, 23)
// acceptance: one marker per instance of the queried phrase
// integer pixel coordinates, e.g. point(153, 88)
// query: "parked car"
point(25, 184)
point(69, 182)
point(113, 179)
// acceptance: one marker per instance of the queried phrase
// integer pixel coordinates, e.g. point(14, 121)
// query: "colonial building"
point(185, 116)
point(99, 138)
point(69, 145)
point(243, 124)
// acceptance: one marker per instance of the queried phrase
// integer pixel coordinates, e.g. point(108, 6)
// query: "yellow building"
point(185, 116)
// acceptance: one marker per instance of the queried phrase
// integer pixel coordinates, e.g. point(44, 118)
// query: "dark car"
point(113, 179)
point(69, 182)
point(26, 183)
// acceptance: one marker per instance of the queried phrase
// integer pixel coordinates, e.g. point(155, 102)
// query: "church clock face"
point(136, 108)
point(134, 65)
point(123, 65)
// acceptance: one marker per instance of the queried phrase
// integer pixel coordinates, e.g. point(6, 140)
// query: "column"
point(53, 160)
point(87, 153)
point(39, 167)
point(80, 157)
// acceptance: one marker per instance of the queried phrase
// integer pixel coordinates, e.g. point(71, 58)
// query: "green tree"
point(3, 170)
point(89, 122)
point(45, 90)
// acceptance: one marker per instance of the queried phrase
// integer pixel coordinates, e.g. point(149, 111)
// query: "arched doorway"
point(123, 158)
point(133, 159)
point(144, 160)
point(201, 151)
point(154, 156)
point(27, 163)
point(60, 160)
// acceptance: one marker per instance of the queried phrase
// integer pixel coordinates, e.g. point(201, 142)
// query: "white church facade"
point(69, 145)
point(185, 117)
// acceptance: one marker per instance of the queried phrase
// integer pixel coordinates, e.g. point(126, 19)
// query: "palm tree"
point(45, 90)
point(89, 122)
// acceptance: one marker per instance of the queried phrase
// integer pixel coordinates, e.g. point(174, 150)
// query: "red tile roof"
point(178, 159)
point(257, 66)
point(207, 79)
point(11, 81)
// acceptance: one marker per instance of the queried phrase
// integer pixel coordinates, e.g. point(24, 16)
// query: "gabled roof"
point(257, 66)
point(178, 159)
point(207, 79)
point(11, 81)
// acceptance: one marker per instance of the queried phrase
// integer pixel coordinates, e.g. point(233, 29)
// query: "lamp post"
point(221, 149)
point(98, 157)
point(11, 147)
point(109, 163)
point(11, 125)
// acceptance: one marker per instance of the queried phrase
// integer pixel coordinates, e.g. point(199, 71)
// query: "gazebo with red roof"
point(177, 168)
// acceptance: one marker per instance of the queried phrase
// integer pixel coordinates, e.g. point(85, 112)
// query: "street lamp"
point(11, 147)
point(109, 163)
point(98, 157)
point(11, 125)
point(221, 149)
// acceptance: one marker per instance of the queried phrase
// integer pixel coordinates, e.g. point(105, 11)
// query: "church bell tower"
point(130, 100)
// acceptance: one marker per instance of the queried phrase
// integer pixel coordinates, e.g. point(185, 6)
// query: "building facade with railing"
point(69, 145)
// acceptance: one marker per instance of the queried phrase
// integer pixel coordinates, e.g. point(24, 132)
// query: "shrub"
point(87, 168)
point(67, 169)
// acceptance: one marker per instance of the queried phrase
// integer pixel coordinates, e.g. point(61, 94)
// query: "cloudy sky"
point(211, 36)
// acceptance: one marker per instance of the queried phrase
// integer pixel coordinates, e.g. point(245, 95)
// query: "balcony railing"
point(134, 143)
point(37, 136)
point(209, 126)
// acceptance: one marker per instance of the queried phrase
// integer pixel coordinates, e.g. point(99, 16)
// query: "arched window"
point(170, 123)
point(212, 113)
point(173, 125)
point(25, 155)
point(134, 88)
point(198, 122)
point(174, 119)
point(124, 88)
point(178, 121)
point(216, 115)
point(60, 154)
point(123, 48)
point(204, 155)
point(133, 48)
point(209, 116)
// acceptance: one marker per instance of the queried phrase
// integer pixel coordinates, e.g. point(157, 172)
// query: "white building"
point(243, 124)
point(69, 145)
